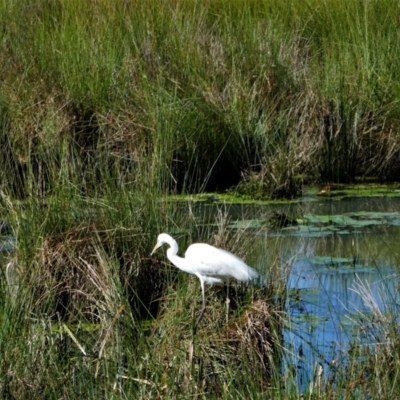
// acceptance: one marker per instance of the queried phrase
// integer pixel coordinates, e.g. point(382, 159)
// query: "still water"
point(340, 267)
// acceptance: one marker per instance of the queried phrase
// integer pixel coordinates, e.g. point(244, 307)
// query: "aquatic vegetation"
point(325, 225)
point(107, 108)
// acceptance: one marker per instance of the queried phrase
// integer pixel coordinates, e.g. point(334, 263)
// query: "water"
point(325, 303)
point(341, 271)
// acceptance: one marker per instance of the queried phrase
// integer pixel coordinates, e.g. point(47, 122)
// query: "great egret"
point(210, 264)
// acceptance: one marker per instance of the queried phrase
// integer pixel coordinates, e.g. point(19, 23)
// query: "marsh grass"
point(378, 361)
point(107, 106)
point(210, 93)
point(97, 316)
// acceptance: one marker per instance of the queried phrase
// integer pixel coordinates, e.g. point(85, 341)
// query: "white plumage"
point(210, 264)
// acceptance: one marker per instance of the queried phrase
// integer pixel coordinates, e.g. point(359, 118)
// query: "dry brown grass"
point(72, 276)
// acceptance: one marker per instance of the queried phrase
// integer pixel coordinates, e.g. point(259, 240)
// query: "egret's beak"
point(155, 248)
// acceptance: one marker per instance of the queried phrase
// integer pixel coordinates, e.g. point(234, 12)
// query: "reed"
point(105, 107)
point(211, 93)
point(84, 303)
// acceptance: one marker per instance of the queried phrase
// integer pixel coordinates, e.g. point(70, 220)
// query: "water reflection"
point(321, 307)
point(328, 272)
point(325, 282)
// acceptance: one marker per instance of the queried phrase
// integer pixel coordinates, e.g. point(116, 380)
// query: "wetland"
point(340, 262)
point(242, 124)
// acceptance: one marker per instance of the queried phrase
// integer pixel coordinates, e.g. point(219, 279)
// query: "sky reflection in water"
point(342, 248)
point(327, 276)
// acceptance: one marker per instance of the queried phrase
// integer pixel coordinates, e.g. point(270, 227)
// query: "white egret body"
point(210, 264)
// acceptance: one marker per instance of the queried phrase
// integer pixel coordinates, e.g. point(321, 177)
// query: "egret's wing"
point(212, 262)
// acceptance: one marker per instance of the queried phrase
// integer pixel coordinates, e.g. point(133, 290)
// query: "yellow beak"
point(155, 248)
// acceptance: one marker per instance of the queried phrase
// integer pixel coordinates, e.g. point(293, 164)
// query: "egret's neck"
point(179, 262)
point(173, 247)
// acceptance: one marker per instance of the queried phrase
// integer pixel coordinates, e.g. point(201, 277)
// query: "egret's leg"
point(204, 304)
point(227, 302)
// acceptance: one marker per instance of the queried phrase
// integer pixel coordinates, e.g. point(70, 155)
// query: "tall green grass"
point(105, 107)
point(212, 92)
point(97, 316)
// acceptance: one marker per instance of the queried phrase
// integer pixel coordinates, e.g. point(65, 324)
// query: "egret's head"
point(161, 240)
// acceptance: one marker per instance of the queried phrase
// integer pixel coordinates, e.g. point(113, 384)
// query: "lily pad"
point(318, 219)
point(312, 234)
point(324, 260)
point(247, 224)
point(366, 222)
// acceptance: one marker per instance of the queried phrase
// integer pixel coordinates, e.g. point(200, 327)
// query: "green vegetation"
point(106, 107)
point(198, 96)
point(86, 313)
point(310, 194)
